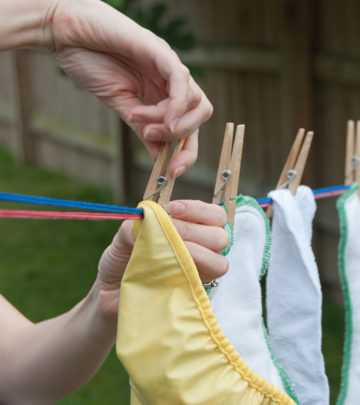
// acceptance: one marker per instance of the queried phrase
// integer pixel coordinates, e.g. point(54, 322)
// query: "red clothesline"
point(65, 215)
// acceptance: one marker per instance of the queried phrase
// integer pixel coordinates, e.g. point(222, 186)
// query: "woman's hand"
point(128, 67)
point(201, 227)
point(132, 71)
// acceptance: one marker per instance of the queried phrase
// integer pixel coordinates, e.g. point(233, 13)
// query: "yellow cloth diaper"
point(168, 338)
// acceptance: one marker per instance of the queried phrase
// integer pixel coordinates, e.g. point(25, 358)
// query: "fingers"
point(196, 109)
point(200, 225)
point(179, 83)
point(210, 265)
point(109, 78)
point(149, 113)
point(192, 119)
point(154, 113)
point(187, 124)
point(178, 108)
point(186, 157)
point(211, 237)
point(183, 160)
point(198, 212)
point(179, 87)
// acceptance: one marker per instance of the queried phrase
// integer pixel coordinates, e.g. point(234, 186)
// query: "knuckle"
point(221, 215)
point(181, 131)
point(200, 207)
point(173, 53)
point(188, 232)
point(196, 98)
point(223, 266)
point(223, 239)
point(192, 158)
point(194, 204)
point(186, 72)
point(163, 43)
point(184, 230)
point(209, 110)
point(179, 225)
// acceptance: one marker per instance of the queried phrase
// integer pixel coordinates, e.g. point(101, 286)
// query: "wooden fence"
point(273, 65)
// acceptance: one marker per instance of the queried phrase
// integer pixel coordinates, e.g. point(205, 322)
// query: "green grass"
point(333, 339)
point(47, 266)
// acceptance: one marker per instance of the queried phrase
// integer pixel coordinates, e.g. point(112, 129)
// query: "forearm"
point(25, 23)
point(49, 360)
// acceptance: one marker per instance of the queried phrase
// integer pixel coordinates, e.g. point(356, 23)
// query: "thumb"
point(116, 256)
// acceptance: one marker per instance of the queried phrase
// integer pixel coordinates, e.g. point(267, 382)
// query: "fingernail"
point(167, 208)
point(177, 208)
point(179, 171)
point(174, 124)
point(153, 135)
point(136, 118)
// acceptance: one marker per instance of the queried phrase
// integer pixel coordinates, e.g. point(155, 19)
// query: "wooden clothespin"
point(227, 179)
point(161, 184)
point(293, 169)
point(352, 153)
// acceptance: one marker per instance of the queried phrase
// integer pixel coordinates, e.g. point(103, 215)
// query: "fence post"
point(23, 143)
point(297, 63)
point(121, 162)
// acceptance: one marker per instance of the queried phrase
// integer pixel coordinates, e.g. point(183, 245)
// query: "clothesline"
point(117, 212)
point(29, 199)
point(65, 215)
point(324, 192)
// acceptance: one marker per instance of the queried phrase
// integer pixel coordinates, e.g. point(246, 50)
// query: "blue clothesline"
point(28, 199)
point(316, 192)
point(20, 198)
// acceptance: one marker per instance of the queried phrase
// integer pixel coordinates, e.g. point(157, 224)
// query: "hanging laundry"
point(168, 338)
point(236, 302)
point(294, 297)
point(348, 206)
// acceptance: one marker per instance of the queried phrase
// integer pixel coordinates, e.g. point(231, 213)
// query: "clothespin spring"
point(161, 181)
point(225, 175)
point(355, 160)
point(291, 174)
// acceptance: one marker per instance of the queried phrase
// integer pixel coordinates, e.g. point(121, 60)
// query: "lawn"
point(47, 266)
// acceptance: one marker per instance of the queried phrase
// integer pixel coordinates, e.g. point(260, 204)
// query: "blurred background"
point(275, 65)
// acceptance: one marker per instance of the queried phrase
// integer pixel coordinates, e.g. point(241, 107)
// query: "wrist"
point(101, 322)
point(26, 24)
point(105, 303)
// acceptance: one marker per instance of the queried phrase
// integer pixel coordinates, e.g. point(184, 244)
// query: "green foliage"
point(173, 30)
point(156, 19)
point(118, 4)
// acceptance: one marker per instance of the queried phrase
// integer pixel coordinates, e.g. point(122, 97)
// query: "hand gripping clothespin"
point(161, 183)
point(227, 179)
point(352, 153)
point(293, 169)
